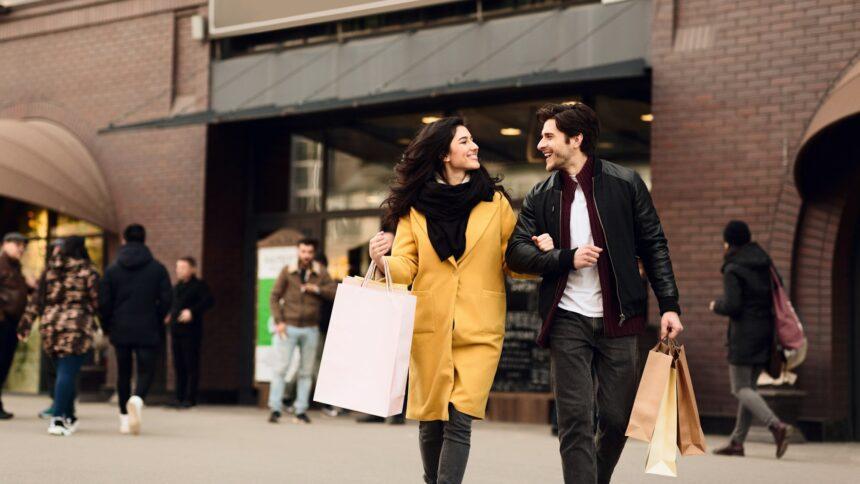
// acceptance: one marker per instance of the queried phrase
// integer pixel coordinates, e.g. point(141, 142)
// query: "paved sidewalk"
point(236, 445)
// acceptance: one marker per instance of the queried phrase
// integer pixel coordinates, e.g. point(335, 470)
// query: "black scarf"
point(447, 209)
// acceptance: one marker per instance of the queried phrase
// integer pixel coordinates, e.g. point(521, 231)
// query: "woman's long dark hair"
point(75, 247)
point(421, 163)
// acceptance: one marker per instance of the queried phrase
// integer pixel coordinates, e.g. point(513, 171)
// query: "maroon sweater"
point(611, 310)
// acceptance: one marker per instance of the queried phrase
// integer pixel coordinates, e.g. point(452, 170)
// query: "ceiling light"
point(430, 119)
point(605, 145)
point(647, 117)
point(511, 131)
point(570, 103)
point(404, 141)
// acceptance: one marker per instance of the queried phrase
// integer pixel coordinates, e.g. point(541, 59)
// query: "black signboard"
point(524, 367)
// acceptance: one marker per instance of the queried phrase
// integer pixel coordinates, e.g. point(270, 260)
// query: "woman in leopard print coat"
point(66, 302)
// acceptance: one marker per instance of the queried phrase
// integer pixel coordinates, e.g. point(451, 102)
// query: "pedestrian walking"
point(191, 299)
point(13, 301)
point(295, 302)
point(55, 246)
point(65, 303)
point(747, 302)
point(453, 222)
point(582, 229)
point(134, 298)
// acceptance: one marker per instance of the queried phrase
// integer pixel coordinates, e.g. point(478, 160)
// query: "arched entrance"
point(826, 276)
point(50, 187)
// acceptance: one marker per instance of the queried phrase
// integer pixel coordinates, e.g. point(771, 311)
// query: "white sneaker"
point(58, 427)
point(135, 411)
point(72, 424)
point(123, 424)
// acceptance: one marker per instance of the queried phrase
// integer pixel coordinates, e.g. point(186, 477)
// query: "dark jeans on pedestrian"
point(186, 365)
point(8, 344)
point(146, 358)
point(744, 381)
point(595, 380)
point(65, 389)
point(445, 447)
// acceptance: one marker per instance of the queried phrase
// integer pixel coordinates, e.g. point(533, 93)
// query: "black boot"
point(4, 415)
point(781, 433)
point(733, 448)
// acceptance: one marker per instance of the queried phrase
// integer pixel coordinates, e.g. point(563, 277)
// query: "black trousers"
point(186, 366)
point(445, 447)
point(147, 359)
point(595, 381)
point(8, 344)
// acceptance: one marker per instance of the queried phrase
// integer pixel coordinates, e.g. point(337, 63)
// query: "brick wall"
point(734, 85)
point(85, 64)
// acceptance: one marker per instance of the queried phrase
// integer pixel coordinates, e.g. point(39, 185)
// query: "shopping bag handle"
point(371, 271)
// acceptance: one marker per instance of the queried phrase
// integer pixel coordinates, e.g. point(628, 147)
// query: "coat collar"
point(316, 268)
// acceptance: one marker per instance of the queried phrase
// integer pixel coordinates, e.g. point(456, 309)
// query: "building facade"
point(292, 116)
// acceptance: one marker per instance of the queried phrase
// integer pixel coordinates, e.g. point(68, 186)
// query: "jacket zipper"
point(621, 317)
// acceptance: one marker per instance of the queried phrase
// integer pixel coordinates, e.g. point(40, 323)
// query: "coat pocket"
point(425, 312)
point(493, 310)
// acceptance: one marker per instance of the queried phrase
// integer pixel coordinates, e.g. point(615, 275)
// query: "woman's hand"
point(380, 245)
point(712, 305)
point(543, 242)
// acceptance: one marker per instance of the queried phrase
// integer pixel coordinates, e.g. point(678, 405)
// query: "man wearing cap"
point(13, 300)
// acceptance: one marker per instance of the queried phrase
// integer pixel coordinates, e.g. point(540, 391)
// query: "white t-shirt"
point(582, 294)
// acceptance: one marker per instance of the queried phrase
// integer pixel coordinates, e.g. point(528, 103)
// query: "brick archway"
point(827, 172)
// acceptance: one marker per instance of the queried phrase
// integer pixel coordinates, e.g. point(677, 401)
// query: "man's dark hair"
point(134, 233)
point(308, 241)
point(190, 260)
point(572, 120)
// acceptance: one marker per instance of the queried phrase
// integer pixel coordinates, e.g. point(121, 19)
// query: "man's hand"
point(543, 242)
point(380, 245)
point(281, 330)
point(670, 325)
point(185, 316)
point(586, 256)
point(22, 338)
point(311, 288)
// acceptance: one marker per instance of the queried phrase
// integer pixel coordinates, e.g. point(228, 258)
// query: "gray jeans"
point(595, 380)
point(744, 381)
point(445, 447)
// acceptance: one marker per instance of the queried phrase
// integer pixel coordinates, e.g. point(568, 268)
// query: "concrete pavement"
point(227, 444)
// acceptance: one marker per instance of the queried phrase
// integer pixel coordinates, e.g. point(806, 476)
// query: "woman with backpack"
point(748, 303)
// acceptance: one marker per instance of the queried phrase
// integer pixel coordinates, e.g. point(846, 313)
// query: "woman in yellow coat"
point(453, 223)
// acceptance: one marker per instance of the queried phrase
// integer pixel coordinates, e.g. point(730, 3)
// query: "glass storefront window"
point(346, 242)
point(360, 168)
point(306, 175)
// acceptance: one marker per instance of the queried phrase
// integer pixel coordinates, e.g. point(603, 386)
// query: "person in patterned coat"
point(66, 302)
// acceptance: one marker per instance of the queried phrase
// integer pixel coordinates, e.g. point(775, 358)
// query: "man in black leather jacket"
point(582, 230)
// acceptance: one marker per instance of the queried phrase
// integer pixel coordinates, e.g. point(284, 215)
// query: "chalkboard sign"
point(524, 367)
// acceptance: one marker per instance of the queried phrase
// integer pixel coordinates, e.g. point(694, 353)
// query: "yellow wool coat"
point(460, 315)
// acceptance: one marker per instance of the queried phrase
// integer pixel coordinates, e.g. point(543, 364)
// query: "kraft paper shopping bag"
point(652, 385)
point(662, 451)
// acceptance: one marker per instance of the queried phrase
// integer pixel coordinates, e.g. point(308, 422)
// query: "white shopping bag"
point(365, 360)
point(662, 451)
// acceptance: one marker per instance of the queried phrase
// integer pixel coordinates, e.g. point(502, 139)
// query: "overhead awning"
point(550, 47)
point(44, 164)
point(843, 101)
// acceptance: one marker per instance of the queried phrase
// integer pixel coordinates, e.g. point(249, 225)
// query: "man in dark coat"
point(191, 298)
point(748, 303)
point(135, 296)
point(13, 300)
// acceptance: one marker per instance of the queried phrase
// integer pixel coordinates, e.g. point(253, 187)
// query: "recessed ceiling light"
point(430, 119)
point(570, 103)
point(606, 145)
point(404, 141)
point(647, 117)
point(511, 131)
